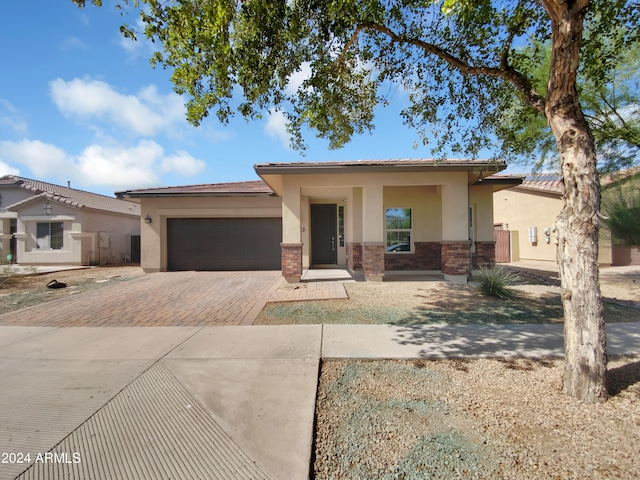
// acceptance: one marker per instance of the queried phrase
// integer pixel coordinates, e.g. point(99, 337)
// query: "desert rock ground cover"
point(537, 301)
point(28, 290)
point(479, 419)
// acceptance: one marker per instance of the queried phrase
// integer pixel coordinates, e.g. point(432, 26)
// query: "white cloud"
point(183, 164)
point(276, 127)
point(84, 20)
point(296, 79)
point(41, 158)
point(121, 167)
point(6, 169)
point(145, 114)
point(114, 167)
point(74, 42)
point(10, 119)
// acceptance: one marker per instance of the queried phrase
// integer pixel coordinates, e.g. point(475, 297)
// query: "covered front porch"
point(380, 218)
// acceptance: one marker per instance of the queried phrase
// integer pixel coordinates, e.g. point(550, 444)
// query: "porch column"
point(373, 243)
point(484, 253)
point(291, 234)
point(5, 237)
point(456, 247)
point(354, 230)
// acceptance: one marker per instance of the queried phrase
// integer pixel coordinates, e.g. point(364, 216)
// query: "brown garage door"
point(224, 243)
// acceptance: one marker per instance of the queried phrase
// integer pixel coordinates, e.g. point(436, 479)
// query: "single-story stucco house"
point(525, 215)
point(45, 224)
point(369, 216)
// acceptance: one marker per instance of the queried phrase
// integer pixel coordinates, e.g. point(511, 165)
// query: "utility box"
point(103, 239)
point(533, 234)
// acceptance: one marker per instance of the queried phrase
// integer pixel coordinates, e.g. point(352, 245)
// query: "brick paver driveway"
point(159, 299)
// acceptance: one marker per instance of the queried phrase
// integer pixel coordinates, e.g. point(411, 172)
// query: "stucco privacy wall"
point(154, 234)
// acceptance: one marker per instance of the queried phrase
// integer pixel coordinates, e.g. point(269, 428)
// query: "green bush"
point(495, 282)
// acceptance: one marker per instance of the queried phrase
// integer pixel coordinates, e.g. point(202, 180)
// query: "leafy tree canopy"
point(611, 107)
point(461, 63)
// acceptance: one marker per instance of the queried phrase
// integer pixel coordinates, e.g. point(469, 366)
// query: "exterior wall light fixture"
point(47, 208)
point(147, 219)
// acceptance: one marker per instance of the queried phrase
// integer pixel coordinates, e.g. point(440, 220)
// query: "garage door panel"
point(224, 243)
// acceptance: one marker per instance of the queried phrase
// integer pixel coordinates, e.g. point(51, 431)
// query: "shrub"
point(495, 282)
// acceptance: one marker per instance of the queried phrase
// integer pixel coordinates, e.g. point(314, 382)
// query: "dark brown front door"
point(323, 234)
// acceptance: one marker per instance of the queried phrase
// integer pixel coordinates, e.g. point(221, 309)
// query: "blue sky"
point(80, 103)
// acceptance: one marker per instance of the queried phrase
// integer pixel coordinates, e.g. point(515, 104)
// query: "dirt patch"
point(481, 419)
point(422, 303)
point(29, 290)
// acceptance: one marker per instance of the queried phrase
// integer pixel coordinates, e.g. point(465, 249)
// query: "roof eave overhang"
point(133, 195)
point(267, 169)
point(500, 183)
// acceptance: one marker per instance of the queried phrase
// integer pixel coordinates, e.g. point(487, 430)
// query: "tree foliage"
point(461, 63)
point(621, 208)
point(611, 107)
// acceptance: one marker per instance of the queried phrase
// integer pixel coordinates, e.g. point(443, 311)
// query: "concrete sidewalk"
point(205, 402)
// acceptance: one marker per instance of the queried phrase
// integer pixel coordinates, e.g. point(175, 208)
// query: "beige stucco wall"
point(119, 229)
point(426, 208)
point(519, 210)
point(481, 200)
point(154, 235)
point(447, 191)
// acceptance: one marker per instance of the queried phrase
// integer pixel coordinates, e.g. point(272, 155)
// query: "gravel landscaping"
point(411, 303)
point(479, 419)
point(28, 290)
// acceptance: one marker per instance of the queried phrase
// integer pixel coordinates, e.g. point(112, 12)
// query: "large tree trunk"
point(578, 224)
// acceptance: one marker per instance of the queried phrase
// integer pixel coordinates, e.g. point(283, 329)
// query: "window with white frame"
point(399, 228)
point(49, 235)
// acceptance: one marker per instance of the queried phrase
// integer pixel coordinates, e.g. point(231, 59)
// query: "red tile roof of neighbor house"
point(70, 196)
point(543, 183)
point(254, 187)
point(552, 183)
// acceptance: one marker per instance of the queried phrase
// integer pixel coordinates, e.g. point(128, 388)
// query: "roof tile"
point(72, 196)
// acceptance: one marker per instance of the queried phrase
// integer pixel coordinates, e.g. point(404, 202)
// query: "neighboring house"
point(370, 216)
point(42, 223)
point(525, 216)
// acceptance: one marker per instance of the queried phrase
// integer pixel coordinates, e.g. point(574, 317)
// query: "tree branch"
point(506, 72)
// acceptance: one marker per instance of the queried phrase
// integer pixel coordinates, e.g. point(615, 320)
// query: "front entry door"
point(323, 234)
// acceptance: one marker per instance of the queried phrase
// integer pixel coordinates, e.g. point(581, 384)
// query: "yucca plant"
point(496, 282)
